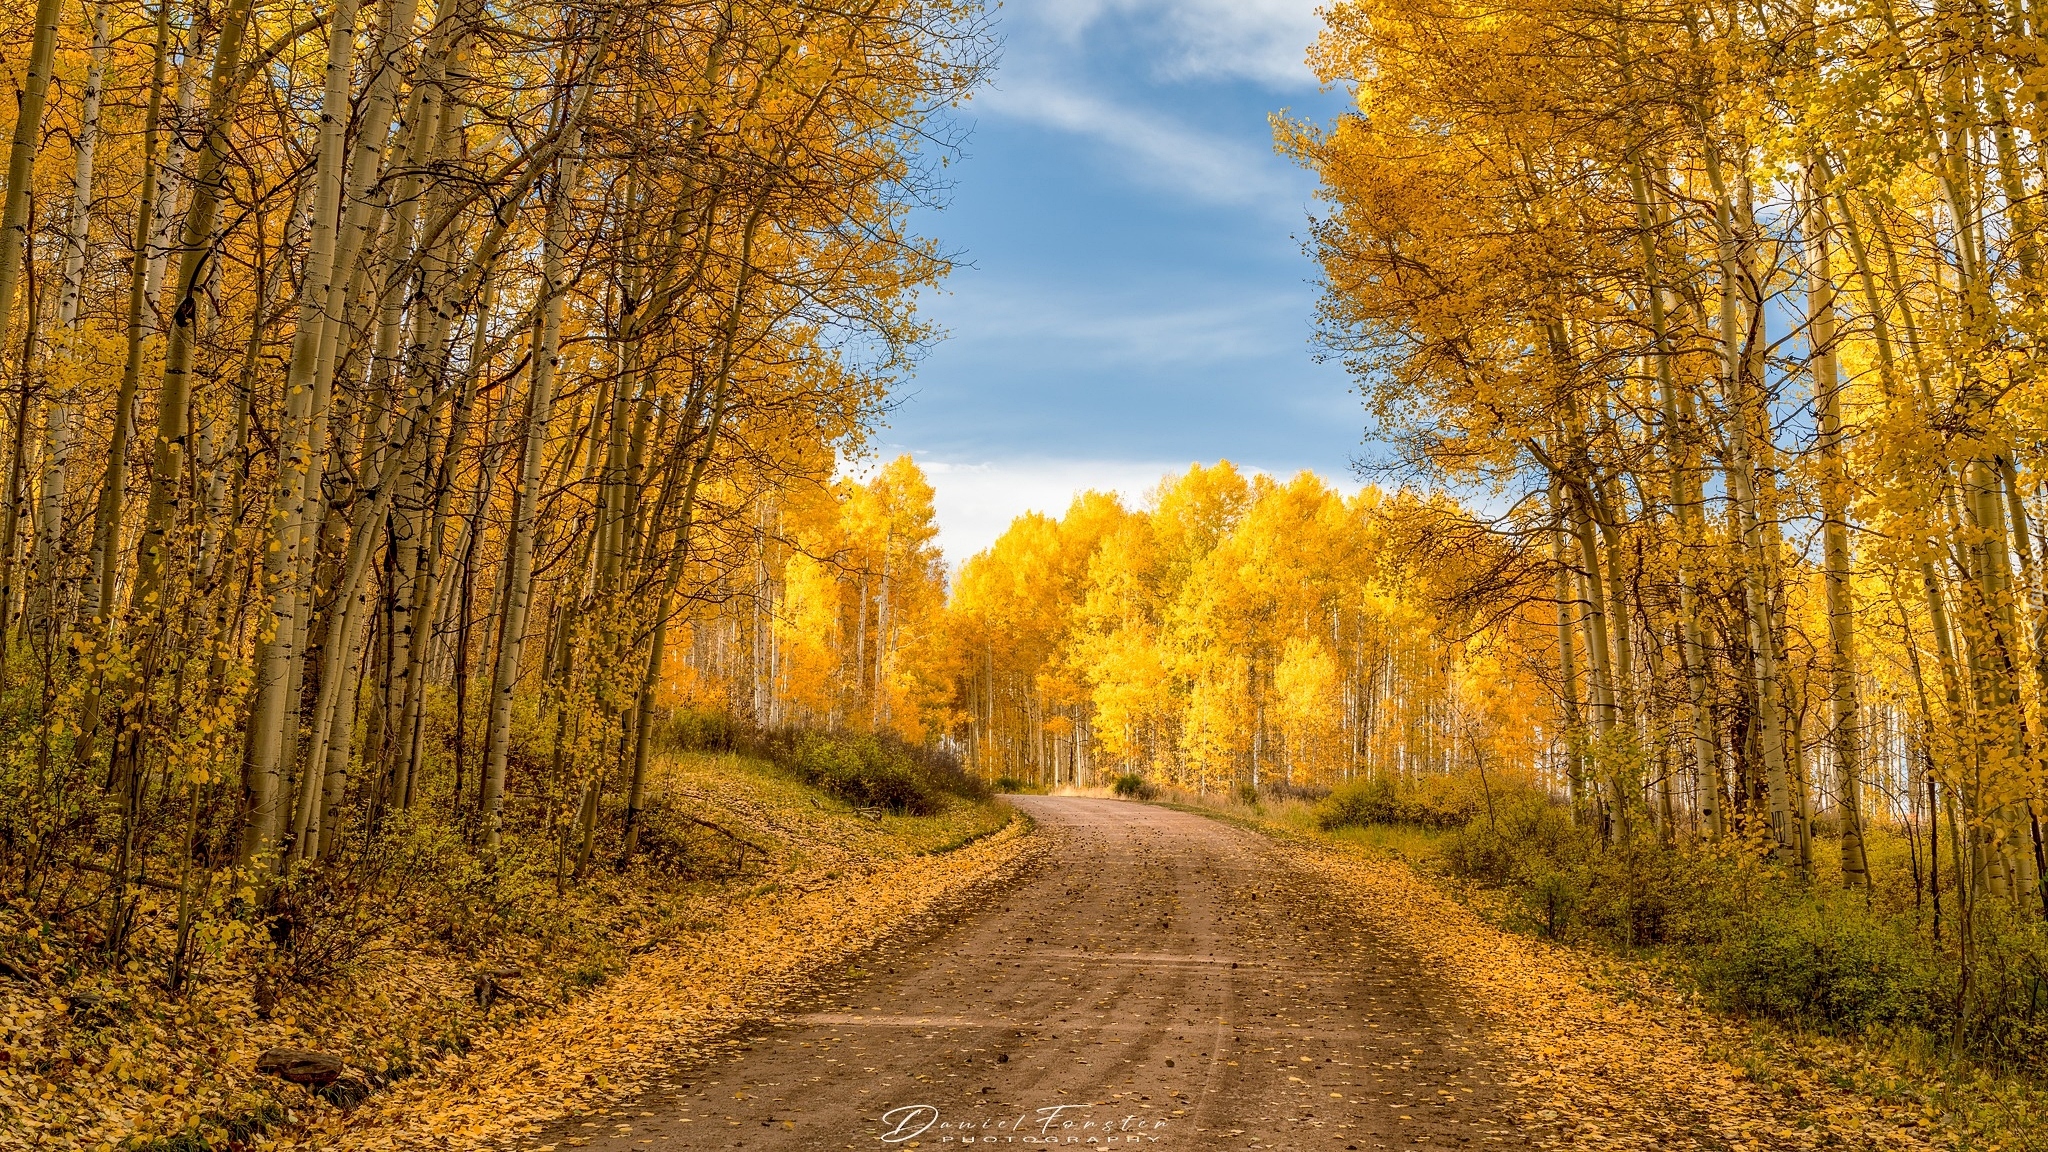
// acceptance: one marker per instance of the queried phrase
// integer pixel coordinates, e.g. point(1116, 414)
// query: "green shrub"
point(874, 771)
point(1633, 894)
point(2007, 1008)
point(692, 730)
point(1826, 961)
point(1428, 801)
point(1132, 786)
point(1357, 804)
point(1523, 835)
point(1758, 938)
point(1552, 900)
point(858, 771)
point(867, 769)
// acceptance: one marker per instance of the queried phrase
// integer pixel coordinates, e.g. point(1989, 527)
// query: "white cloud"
point(1155, 148)
point(977, 500)
point(1260, 40)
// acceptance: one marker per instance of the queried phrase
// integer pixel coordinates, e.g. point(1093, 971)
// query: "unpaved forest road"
point(1160, 980)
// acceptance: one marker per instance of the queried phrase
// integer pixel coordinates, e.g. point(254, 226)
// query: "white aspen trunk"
point(405, 531)
point(611, 484)
point(434, 312)
point(223, 483)
point(107, 513)
point(519, 545)
point(1594, 619)
point(301, 460)
point(1615, 588)
point(1784, 809)
point(427, 605)
point(174, 393)
point(881, 714)
point(78, 222)
point(633, 521)
point(174, 408)
point(1846, 745)
point(1788, 844)
point(334, 707)
point(366, 208)
point(1706, 749)
point(1567, 657)
point(57, 430)
point(372, 203)
point(163, 222)
point(21, 157)
point(860, 636)
point(1992, 649)
point(2035, 862)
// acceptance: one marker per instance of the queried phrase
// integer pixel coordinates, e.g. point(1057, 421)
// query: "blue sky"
point(1136, 297)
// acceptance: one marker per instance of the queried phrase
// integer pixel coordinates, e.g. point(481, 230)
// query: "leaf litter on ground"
point(1602, 1053)
point(594, 984)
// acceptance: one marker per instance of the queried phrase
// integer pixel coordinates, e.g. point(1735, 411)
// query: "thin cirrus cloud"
point(1108, 329)
point(1154, 148)
point(1263, 41)
point(1052, 369)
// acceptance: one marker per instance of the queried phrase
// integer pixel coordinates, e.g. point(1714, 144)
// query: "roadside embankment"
point(466, 1008)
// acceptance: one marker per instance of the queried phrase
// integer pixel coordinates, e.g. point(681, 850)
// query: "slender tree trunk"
point(21, 158)
point(432, 593)
point(334, 711)
point(678, 560)
point(301, 461)
point(1567, 656)
point(196, 244)
point(1678, 455)
point(1736, 342)
point(113, 486)
point(17, 468)
point(57, 430)
point(2029, 595)
point(163, 220)
point(526, 498)
point(1834, 481)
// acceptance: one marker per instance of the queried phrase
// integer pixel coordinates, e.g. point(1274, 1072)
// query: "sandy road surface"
point(1159, 980)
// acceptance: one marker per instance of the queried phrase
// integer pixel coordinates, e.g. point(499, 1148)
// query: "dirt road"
point(1159, 980)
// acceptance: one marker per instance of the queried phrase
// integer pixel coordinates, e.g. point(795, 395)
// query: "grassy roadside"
point(748, 876)
point(1891, 1090)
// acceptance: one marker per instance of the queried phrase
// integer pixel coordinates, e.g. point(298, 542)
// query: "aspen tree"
point(21, 158)
point(1567, 652)
point(526, 493)
point(301, 458)
point(333, 258)
point(58, 432)
point(1706, 750)
point(1835, 546)
point(1736, 339)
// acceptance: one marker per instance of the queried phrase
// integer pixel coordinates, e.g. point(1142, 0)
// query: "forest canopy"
point(393, 393)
